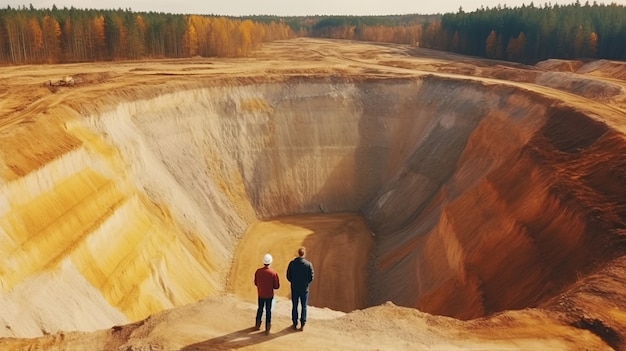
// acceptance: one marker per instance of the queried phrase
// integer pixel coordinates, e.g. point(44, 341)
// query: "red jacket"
point(266, 280)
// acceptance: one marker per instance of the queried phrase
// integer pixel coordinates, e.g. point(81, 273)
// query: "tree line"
point(529, 34)
point(385, 28)
point(399, 29)
point(524, 34)
point(29, 35)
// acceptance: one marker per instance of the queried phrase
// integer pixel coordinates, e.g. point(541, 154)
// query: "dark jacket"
point(266, 280)
point(300, 274)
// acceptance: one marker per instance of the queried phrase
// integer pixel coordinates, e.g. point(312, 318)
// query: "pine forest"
point(525, 34)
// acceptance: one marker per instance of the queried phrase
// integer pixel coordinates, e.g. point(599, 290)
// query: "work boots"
point(302, 326)
point(257, 326)
point(267, 328)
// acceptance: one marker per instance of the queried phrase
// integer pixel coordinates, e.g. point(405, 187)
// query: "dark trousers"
point(267, 304)
point(303, 297)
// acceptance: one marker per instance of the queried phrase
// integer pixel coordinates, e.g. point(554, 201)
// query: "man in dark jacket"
point(300, 274)
point(266, 280)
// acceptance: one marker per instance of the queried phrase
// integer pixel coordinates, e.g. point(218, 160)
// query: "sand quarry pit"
point(447, 202)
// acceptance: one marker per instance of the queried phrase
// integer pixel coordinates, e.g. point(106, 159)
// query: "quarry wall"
point(464, 184)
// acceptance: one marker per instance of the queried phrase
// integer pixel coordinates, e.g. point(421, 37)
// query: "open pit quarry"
point(446, 202)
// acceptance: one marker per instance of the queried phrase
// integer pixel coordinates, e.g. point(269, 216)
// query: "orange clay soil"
point(446, 202)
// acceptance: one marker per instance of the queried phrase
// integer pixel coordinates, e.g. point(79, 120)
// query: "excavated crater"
point(477, 195)
point(456, 197)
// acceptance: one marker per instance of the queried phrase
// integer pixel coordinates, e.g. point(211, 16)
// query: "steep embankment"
point(518, 234)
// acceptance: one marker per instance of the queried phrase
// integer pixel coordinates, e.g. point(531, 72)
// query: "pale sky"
point(288, 7)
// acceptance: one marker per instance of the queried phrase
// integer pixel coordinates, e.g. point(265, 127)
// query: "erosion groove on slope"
point(451, 176)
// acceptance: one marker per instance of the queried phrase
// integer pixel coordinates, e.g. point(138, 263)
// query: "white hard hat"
point(267, 259)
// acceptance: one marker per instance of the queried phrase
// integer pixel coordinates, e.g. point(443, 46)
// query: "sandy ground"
point(223, 322)
point(341, 244)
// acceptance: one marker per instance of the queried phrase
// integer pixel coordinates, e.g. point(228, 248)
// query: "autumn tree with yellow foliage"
point(29, 35)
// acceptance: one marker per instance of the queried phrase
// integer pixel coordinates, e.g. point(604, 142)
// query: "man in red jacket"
point(266, 280)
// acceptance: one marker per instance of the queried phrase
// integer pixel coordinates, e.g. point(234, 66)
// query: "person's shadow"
point(237, 339)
